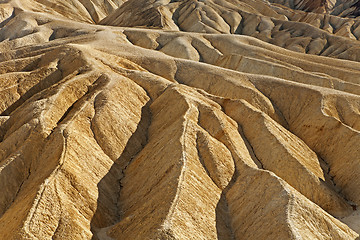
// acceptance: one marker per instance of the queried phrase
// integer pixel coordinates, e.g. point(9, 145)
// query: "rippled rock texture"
point(188, 119)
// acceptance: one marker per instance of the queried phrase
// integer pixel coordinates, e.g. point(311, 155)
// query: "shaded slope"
point(312, 33)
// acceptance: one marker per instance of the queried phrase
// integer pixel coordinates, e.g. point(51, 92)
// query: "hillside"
point(179, 119)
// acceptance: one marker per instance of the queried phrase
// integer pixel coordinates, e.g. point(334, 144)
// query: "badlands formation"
point(179, 119)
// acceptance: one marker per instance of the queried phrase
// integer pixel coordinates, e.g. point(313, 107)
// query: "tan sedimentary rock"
point(241, 122)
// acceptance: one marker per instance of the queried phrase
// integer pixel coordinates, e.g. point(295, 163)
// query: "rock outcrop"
point(212, 119)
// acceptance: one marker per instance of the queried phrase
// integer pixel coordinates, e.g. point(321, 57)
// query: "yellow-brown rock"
point(189, 119)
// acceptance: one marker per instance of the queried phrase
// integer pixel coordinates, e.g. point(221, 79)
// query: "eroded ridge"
point(242, 122)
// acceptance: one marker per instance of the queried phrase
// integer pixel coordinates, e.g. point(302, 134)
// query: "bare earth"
point(181, 119)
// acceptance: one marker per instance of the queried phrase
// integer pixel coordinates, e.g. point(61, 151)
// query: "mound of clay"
point(191, 119)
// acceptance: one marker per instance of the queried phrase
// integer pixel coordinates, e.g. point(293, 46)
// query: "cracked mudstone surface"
point(187, 119)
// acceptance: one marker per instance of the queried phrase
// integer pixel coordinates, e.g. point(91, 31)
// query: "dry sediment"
point(241, 122)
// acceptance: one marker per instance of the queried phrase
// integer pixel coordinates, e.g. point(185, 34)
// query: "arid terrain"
point(179, 119)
